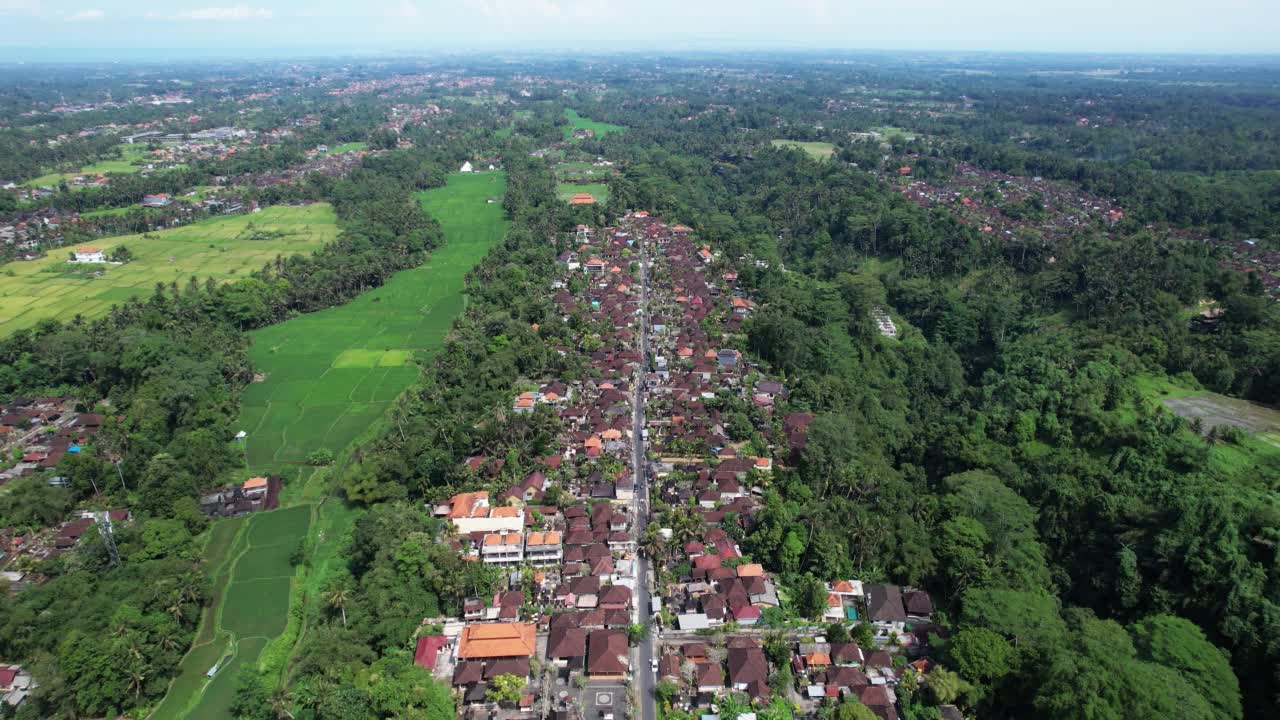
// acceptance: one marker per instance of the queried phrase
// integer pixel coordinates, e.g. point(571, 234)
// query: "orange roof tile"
point(255, 482)
point(496, 640)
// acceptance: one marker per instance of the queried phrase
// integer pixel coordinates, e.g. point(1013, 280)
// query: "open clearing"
point(131, 156)
point(816, 150)
point(577, 122)
point(220, 248)
point(1219, 410)
point(1250, 459)
point(599, 191)
point(333, 373)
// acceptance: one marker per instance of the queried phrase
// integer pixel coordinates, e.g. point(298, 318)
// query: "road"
point(643, 669)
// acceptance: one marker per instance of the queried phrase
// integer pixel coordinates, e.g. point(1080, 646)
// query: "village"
point(624, 586)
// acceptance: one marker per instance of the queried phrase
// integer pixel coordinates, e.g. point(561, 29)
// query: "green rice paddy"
point(254, 608)
point(220, 248)
point(333, 373)
point(816, 150)
point(577, 122)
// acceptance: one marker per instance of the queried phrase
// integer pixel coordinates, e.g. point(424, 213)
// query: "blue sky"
point(596, 25)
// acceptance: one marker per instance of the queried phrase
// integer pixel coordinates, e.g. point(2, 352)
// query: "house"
point(471, 512)
point(255, 486)
point(496, 640)
point(885, 609)
point(157, 200)
point(918, 604)
point(749, 671)
point(608, 655)
point(502, 548)
point(708, 677)
point(567, 646)
point(15, 685)
point(427, 651)
point(466, 167)
point(88, 255)
point(544, 548)
point(582, 199)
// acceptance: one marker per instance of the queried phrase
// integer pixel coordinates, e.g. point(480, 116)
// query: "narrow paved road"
point(643, 670)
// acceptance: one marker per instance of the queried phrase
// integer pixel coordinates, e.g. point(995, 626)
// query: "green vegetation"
point(333, 373)
point(577, 122)
point(346, 148)
point(815, 150)
point(253, 608)
point(131, 161)
point(599, 191)
point(218, 248)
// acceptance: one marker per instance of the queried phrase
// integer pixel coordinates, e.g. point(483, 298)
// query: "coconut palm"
point(337, 597)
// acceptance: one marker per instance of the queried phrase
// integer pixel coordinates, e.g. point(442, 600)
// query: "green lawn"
point(346, 148)
point(599, 191)
point(330, 374)
point(131, 155)
point(576, 121)
point(217, 248)
point(816, 150)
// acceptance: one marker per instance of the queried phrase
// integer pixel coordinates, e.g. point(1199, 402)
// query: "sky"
point(590, 26)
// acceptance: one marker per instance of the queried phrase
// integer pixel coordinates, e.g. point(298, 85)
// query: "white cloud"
point(86, 15)
point(406, 9)
point(224, 14)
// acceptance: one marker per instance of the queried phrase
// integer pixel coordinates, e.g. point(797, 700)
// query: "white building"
point(466, 167)
point(503, 548)
point(471, 512)
point(88, 255)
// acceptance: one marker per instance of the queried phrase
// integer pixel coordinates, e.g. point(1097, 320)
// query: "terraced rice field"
point(221, 248)
point(252, 608)
point(816, 150)
point(331, 374)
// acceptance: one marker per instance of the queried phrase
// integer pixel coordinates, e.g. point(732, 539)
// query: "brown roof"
point(496, 641)
point(607, 652)
point(566, 642)
point(708, 675)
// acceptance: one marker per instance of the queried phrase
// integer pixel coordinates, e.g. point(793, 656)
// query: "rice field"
point(329, 375)
point(816, 150)
point(577, 122)
point(251, 606)
point(223, 248)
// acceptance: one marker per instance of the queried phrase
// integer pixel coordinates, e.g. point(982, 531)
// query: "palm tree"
point(337, 597)
point(281, 701)
point(136, 679)
point(653, 543)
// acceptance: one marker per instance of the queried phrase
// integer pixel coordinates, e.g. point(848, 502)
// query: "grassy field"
point(219, 248)
point(250, 608)
point(346, 148)
point(576, 122)
point(130, 154)
point(331, 373)
point(599, 191)
point(1255, 455)
point(816, 150)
